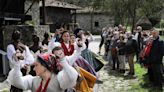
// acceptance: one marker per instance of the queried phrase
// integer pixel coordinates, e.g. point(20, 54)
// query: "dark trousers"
point(155, 75)
point(101, 43)
point(14, 89)
point(115, 62)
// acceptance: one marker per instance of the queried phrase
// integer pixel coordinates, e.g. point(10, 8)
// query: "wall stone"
point(41, 30)
point(84, 19)
point(34, 12)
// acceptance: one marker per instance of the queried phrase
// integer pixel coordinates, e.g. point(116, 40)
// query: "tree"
point(127, 11)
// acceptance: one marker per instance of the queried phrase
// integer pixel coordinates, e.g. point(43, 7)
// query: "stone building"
point(58, 13)
point(93, 21)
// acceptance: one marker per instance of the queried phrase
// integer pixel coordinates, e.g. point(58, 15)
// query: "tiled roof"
point(55, 3)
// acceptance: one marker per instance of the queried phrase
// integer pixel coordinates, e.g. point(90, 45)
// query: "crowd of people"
point(61, 63)
point(122, 47)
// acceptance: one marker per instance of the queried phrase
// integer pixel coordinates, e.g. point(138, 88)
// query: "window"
point(96, 24)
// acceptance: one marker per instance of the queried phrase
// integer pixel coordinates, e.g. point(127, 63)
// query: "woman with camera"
point(23, 55)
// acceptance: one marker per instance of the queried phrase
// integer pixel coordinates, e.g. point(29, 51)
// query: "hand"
point(21, 47)
point(26, 66)
point(19, 55)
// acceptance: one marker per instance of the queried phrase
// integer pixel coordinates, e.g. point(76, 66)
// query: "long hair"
point(61, 39)
point(16, 35)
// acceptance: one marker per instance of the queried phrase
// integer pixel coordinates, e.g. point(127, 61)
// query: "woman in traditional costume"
point(54, 74)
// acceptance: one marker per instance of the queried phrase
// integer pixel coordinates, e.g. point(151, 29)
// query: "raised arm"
point(29, 58)
point(16, 78)
point(67, 77)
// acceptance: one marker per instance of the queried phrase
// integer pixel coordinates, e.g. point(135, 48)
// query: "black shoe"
point(99, 82)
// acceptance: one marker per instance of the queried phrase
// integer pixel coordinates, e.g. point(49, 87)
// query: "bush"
point(160, 25)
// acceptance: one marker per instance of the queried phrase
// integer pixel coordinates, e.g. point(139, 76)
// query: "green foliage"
point(30, 23)
point(124, 10)
point(160, 25)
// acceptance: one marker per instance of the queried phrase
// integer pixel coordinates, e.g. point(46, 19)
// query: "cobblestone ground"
point(112, 80)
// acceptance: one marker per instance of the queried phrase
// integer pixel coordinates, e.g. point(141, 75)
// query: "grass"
point(140, 72)
point(143, 84)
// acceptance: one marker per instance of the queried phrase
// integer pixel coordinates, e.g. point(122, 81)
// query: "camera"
point(19, 56)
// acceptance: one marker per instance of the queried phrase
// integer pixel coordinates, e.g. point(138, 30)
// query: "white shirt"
point(28, 57)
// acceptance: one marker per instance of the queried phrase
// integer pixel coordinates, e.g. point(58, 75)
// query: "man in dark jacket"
point(131, 49)
point(155, 60)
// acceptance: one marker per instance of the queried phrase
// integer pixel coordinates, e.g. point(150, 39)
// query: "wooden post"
point(44, 12)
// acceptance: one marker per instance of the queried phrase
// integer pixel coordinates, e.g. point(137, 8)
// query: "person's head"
point(65, 36)
point(35, 39)
point(116, 35)
point(58, 52)
point(128, 35)
point(80, 34)
point(72, 38)
point(46, 35)
point(57, 32)
point(155, 33)
point(120, 27)
point(45, 63)
point(121, 37)
point(139, 29)
point(16, 35)
point(77, 25)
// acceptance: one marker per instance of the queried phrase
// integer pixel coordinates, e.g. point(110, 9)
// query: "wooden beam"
point(44, 12)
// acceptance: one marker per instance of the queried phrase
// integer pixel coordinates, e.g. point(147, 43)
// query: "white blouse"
point(28, 57)
point(66, 78)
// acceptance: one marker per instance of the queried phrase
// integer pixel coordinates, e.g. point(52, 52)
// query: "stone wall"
point(41, 30)
point(84, 19)
point(35, 13)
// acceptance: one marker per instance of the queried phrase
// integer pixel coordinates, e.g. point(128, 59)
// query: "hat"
point(47, 61)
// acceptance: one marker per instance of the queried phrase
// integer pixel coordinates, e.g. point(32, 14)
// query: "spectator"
point(155, 60)
point(25, 57)
point(131, 50)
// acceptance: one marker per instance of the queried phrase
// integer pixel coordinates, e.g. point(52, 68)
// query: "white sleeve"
point(67, 77)
point(90, 39)
point(10, 52)
point(29, 58)
point(19, 81)
point(71, 59)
